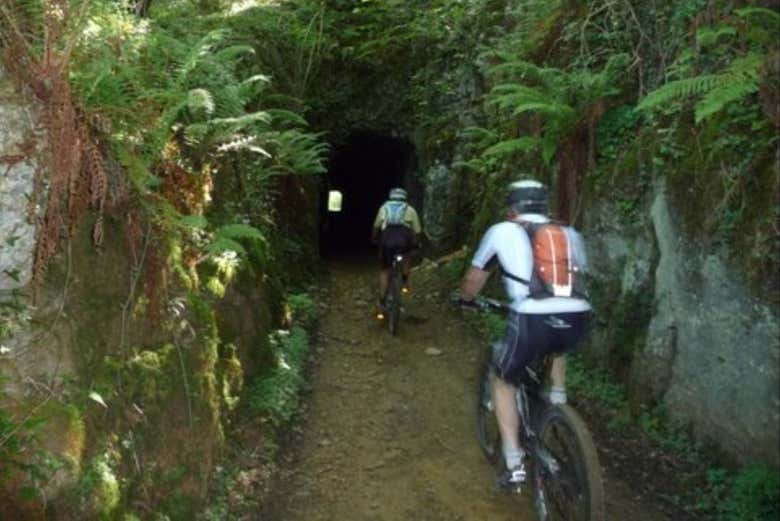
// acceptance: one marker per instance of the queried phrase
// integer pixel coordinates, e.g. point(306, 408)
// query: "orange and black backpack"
point(556, 272)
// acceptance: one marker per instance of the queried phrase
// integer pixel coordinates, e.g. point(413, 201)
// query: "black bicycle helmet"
point(528, 196)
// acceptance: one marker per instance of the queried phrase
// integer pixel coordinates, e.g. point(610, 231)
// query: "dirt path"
point(388, 432)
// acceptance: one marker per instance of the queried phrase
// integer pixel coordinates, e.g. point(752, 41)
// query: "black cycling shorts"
point(394, 239)
point(529, 336)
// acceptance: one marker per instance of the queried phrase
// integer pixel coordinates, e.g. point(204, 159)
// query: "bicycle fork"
point(544, 464)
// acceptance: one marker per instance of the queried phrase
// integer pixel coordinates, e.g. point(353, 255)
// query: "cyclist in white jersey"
point(535, 326)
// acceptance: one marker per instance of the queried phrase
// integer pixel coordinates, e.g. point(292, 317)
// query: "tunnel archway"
point(363, 169)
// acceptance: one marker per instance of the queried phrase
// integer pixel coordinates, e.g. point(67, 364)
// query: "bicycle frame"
point(565, 475)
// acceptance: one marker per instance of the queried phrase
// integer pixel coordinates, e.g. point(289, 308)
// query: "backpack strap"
point(528, 227)
point(514, 277)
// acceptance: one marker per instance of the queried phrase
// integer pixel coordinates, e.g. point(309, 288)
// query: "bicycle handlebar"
point(482, 304)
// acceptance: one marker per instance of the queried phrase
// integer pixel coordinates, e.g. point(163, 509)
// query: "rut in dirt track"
point(389, 429)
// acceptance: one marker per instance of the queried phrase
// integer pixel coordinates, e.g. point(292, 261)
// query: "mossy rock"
point(49, 463)
point(99, 489)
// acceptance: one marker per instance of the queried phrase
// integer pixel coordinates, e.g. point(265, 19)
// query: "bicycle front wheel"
point(567, 477)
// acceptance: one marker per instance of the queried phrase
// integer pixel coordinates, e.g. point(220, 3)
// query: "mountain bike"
point(564, 472)
point(393, 295)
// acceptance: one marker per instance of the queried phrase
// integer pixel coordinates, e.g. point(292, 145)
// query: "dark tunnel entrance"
point(364, 169)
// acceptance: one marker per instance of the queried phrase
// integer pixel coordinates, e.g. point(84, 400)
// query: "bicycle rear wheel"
point(487, 426)
point(394, 301)
point(568, 486)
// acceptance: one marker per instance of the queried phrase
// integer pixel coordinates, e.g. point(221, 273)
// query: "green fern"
point(709, 36)
point(240, 231)
point(478, 137)
point(221, 245)
point(194, 221)
point(200, 101)
point(678, 89)
point(512, 146)
point(768, 17)
point(739, 80)
point(226, 238)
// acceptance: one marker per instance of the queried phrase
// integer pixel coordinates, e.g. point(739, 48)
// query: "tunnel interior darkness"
point(363, 169)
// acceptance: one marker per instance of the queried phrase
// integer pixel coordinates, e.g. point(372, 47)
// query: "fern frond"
point(509, 96)
point(223, 244)
point(475, 165)
point(719, 97)
point(245, 120)
point(194, 221)
point(240, 231)
point(761, 13)
point(241, 142)
point(477, 133)
point(512, 146)
point(199, 51)
point(196, 133)
point(556, 110)
point(251, 87)
point(525, 70)
point(200, 101)
point(479, 137)
point(745, 67)
point(231, 53)
point(287, 116)
point(550, 142)
point(709, 36)
point(678, 89)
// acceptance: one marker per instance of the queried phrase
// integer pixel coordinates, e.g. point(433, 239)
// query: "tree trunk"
point(142, 8)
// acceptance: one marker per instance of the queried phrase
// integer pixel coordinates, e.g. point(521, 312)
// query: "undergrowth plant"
point(276, 393)
point(751, 492)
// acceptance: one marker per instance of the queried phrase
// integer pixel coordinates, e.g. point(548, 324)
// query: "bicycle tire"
point(487, 425)
point(394, 301)
point(576, 491)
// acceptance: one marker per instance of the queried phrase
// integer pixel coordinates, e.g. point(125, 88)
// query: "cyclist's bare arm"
point(473, 282)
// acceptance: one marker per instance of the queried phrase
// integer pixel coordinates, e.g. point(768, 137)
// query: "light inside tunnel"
point(334, 201)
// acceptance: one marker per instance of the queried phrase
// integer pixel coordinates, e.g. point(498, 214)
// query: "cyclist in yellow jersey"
point(397, 230)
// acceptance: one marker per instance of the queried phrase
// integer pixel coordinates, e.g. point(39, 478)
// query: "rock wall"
point(17, 233)
point(695, 339)
point(113, 396)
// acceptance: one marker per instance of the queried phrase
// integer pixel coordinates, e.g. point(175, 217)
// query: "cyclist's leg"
point(384, 278)
point(557, 394)
point(509, 358)
point(392, 244)
point(408, 246)
point(564, 341)
point(385, 262)
point(503, 394)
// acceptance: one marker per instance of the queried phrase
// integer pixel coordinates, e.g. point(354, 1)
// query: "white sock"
point(558, 395)
point(513, 457)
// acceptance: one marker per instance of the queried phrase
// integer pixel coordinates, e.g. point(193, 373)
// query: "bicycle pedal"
point(510, 488)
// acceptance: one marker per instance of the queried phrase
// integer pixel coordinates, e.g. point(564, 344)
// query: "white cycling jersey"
point(508, 244)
